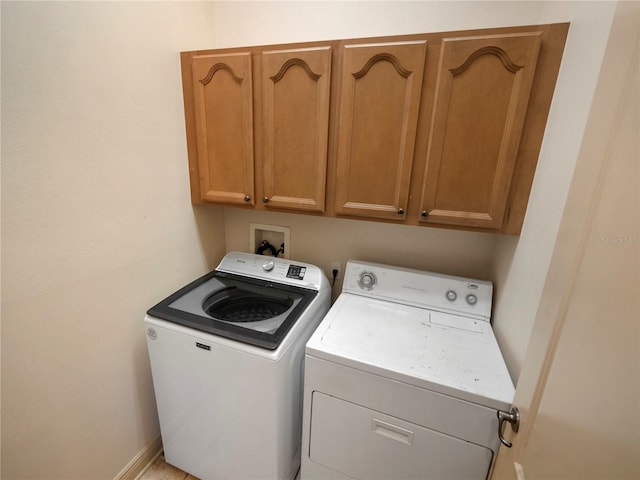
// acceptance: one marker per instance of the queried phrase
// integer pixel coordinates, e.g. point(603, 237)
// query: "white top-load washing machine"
point(226, 356)
point(403, 379)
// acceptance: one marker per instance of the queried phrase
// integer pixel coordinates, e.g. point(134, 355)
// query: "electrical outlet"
point(336, 266)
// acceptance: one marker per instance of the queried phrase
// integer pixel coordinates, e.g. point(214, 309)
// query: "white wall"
point(97, 225)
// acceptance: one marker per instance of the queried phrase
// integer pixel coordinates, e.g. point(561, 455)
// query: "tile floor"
point(161, 470)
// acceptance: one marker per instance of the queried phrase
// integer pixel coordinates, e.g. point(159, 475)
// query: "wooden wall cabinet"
point(482, 94)
point(436, 129)
point(223, 108)
point(295, 99)
point(278, 96)
point(379, 100)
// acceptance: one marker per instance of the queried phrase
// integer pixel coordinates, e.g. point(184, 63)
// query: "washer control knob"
point(451, 295)
point(268, 265)
point(471, 299)
point(367, 280)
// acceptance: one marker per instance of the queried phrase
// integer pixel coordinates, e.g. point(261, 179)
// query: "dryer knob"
point(471, 299)
point(367, 280)
point(268, 266)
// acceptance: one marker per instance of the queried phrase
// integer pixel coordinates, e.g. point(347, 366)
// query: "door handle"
point(513, 417)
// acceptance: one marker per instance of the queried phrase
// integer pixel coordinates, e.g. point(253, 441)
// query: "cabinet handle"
point(265, 199)
point(400, 211)
point(424, 214)
point(247, 198)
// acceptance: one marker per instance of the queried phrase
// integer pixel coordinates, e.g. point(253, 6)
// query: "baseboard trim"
point(141, 462)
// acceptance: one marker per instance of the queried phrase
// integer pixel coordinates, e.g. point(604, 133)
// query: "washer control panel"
point(422, 289)
point(274, 269)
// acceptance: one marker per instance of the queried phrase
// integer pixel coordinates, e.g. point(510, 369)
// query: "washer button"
point(451, 295)
point(471, 299)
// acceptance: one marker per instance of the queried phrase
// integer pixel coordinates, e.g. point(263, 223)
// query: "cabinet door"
point(481, 100)
point(296, 85)
point(379, 102)
point(224, 124)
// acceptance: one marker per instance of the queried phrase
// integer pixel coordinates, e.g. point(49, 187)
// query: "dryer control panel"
point(436, 291)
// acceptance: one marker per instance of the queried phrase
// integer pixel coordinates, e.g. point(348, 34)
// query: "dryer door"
point(363, 443)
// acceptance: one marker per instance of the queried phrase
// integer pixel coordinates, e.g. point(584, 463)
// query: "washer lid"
point(248, 310)
point(450, 354)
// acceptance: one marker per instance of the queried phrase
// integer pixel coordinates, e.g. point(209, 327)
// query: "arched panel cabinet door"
point(378, 113)
point(296, 85)
point(222, 90)
point(481, 100)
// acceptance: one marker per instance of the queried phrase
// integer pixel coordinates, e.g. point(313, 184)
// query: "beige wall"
point(521, 264)
point(322, 241)
point(96, 219)
point(96, 225)
point(265, 22)
point(598, 347)
point(517, 265)
point(583, 358)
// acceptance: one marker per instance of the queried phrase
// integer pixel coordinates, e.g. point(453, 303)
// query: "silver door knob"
point(512, 417)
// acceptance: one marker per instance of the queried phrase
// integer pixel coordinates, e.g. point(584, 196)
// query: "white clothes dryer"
point(226, 356)
point(403, 379)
